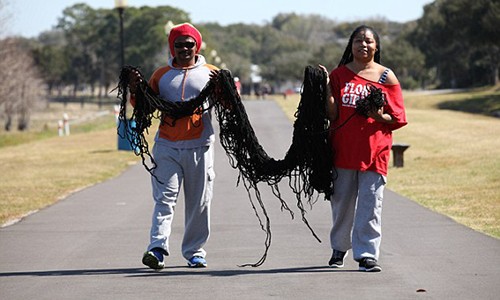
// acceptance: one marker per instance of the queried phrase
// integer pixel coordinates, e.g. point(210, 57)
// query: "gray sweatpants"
point(192, 168)
point(356, 212)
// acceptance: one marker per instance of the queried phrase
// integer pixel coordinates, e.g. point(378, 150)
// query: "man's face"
point(185, 49)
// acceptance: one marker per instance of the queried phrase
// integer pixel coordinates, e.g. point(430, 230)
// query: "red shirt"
point(362, 143)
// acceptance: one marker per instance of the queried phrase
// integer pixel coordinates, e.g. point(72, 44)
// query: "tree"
point(407, 62)
point(78, 23)
point(459, 39)
point(453, 44)
point(327, 55)
point(315, 30)
point(145, 36)
point(52, 60)
point(20, 86)
point(92, 44)
point(282, 57)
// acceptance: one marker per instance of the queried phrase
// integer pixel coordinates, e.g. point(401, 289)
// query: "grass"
point(44, 122)
point(39, 167)
point(453, 163)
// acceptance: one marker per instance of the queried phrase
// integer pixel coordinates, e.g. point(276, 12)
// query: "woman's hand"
point(331, 106)
point(326, 72)
point(379, 116)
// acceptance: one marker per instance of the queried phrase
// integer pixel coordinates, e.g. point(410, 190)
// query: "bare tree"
point(20, 87)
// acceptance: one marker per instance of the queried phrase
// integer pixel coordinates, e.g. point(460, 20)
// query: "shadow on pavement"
point(174, 271)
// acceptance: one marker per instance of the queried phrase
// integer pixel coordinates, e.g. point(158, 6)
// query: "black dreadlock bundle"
point(307, 164)
point(372, 102)
point(148, 106)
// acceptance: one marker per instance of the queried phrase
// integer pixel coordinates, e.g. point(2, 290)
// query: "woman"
point(362, 145)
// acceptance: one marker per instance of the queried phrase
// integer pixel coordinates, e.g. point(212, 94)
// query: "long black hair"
point(347, 57)
point(307, 163)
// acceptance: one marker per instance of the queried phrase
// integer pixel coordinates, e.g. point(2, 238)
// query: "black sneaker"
point(369, 264)
point(337, 259)
point(153, 259)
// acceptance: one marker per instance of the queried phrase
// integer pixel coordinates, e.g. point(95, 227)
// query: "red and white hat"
point(184, 29)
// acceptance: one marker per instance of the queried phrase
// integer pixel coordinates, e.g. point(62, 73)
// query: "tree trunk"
point(8, 123)
point(495, 75)
point(23, 122)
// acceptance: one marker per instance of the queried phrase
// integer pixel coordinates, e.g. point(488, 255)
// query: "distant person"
point(237, 83)
point(362, 146)
point(183, 151)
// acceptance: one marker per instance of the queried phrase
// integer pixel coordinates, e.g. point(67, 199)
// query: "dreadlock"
point(372, 102)
point(148, 107)
point(307, 163)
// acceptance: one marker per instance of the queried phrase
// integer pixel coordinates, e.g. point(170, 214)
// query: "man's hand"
point(213, 74)
point(134, 81)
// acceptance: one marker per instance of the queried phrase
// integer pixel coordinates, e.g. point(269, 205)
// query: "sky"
point(29, 18)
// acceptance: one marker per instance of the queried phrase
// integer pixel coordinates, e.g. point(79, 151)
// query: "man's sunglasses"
point(188, 45)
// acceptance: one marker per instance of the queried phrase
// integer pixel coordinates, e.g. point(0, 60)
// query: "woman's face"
point(364, 46)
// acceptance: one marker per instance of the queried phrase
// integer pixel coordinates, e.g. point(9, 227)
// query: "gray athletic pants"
point(356, 212)
point(192, 168)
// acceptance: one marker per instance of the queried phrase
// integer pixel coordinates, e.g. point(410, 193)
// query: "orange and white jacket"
point(173, 83)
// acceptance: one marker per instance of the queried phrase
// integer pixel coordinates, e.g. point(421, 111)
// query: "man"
point(183, 152)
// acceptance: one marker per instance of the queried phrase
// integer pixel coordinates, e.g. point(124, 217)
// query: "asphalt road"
point(89, 245)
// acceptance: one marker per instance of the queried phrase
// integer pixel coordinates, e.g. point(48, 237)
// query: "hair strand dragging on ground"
point(307, 163)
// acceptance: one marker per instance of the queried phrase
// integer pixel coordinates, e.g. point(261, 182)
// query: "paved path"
point(89, 246)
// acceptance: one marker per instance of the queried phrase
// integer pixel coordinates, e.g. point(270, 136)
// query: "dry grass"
point(453, 163)
point(38, 173)
point(452, 166)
